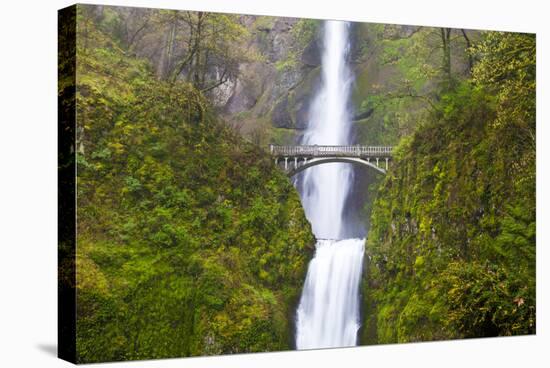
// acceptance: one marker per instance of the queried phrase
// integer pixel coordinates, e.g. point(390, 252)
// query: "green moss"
point(283, 136)
point(284, 65)
point(264, 22)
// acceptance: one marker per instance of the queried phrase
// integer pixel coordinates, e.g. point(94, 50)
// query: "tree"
point(446, 54)
point(468, 50)
point(507, 67)
point(211, 47)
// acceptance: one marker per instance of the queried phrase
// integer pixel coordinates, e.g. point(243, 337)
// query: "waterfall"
point(328, 313)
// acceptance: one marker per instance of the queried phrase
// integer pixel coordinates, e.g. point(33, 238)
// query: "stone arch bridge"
point(294, 159)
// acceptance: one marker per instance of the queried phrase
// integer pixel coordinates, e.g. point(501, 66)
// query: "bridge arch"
point(298, 158)
point(326, 160)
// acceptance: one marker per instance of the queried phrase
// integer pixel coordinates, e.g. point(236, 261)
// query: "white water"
point(328, 314)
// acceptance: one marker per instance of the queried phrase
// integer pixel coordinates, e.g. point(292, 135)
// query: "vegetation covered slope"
point(451, 250)
point(190, 241)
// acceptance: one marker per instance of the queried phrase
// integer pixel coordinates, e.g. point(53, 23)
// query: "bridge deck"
point(331, 151)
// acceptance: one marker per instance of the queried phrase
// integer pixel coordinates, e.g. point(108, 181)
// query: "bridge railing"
point(324, 151)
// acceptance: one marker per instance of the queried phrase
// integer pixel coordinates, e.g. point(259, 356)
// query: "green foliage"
point(191, 241)
point(489, 300)
point(302, 34)
point(453, 234)
point(400, 76)
point(508, 67)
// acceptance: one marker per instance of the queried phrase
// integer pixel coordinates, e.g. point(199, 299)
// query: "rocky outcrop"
point(278, 87)
point(280, 117)
point(311, 55)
